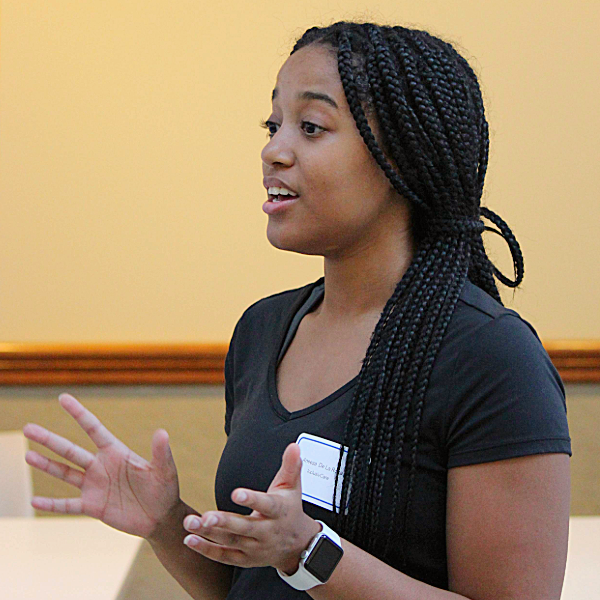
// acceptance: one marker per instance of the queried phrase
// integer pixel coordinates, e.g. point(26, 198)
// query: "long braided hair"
point(427, 101)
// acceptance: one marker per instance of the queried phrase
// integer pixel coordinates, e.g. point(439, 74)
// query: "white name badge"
point(319, 465)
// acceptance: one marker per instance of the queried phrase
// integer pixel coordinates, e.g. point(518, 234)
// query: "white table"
point(62, 558)
point(582, 579)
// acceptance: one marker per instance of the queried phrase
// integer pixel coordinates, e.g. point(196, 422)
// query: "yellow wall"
point(130, 173)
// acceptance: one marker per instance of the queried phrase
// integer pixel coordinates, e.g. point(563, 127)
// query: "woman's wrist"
point(309, 531)
point(171, 524)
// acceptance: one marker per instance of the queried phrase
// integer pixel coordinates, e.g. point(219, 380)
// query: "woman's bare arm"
point(507, 533)
point(202, 578)
point(508, 528)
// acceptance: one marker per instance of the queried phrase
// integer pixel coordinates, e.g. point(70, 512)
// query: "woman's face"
point(344, 201)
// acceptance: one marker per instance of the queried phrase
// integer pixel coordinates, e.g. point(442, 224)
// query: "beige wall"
point(130, 173)
point(193, 416)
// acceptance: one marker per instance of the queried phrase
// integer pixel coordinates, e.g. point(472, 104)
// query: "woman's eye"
point(311, 125)
point(268, 125)
point(307, 125)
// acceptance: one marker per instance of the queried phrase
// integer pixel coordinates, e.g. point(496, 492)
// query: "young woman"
point(392, 411)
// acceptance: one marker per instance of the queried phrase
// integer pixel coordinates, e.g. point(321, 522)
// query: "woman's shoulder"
point(489, 337)
point(479, 305)
point(479, 317)
point(485, 336)
point(491, 351)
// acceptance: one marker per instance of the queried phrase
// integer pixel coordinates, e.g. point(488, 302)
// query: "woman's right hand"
point(117, 486)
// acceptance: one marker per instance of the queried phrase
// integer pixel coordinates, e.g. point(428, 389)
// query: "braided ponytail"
point(426, 99)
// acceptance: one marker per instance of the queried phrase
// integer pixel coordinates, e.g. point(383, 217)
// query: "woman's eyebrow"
point(308, 95)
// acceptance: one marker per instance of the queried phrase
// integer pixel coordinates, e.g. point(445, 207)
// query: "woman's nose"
point(278, 150)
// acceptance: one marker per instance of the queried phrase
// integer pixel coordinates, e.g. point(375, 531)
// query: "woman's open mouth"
point(281, 197)
point(280, 194)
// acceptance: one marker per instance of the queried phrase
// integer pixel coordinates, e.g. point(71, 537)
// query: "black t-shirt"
point(493, 394)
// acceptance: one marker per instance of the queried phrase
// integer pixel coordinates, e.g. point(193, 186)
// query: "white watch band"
point(302, 579)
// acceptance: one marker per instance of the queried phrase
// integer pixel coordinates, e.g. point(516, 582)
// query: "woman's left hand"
point(274, 534)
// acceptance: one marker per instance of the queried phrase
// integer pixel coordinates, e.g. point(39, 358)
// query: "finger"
point(63, 447)
point(162, 456)
point(222, 554)
point(87, 421)
point(231, 540)
point(70, 506)
point(289, 474)
point(54, 468)
point(264, 503)
point(239, 525)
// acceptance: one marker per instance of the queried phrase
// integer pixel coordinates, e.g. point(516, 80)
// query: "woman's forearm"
point(361, 576)
point(202, 578)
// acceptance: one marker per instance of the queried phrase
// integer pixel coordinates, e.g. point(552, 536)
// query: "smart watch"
point(318, 561)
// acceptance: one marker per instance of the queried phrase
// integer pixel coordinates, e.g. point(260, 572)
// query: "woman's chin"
point(291, 243)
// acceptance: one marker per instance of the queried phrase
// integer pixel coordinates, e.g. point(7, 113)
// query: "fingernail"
point(210, 521)
point(191, 540)
point(242, 496)
point(194, 523)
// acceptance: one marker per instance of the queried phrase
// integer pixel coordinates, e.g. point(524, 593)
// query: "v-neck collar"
point(278, 407)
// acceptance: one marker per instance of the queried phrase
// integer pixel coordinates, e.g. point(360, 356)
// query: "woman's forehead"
point(312, 66)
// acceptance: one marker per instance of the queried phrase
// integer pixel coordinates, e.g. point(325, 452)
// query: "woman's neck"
point(359, 284)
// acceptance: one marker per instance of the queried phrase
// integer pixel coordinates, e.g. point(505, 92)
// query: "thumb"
point(162, 458)
point(289, 474)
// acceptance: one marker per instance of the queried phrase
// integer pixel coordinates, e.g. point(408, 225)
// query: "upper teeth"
point(276, 191)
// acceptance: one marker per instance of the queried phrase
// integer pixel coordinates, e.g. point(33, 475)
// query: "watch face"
point(323, 559)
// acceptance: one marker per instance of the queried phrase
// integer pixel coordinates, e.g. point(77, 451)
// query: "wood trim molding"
point(111, 364)
point(578, 361)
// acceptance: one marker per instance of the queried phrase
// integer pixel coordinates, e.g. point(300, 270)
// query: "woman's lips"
point(272, 208)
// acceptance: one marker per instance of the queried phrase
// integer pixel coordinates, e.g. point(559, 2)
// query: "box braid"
point(427, 102)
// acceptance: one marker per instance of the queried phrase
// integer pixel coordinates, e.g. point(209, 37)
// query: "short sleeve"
point(506, 398)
